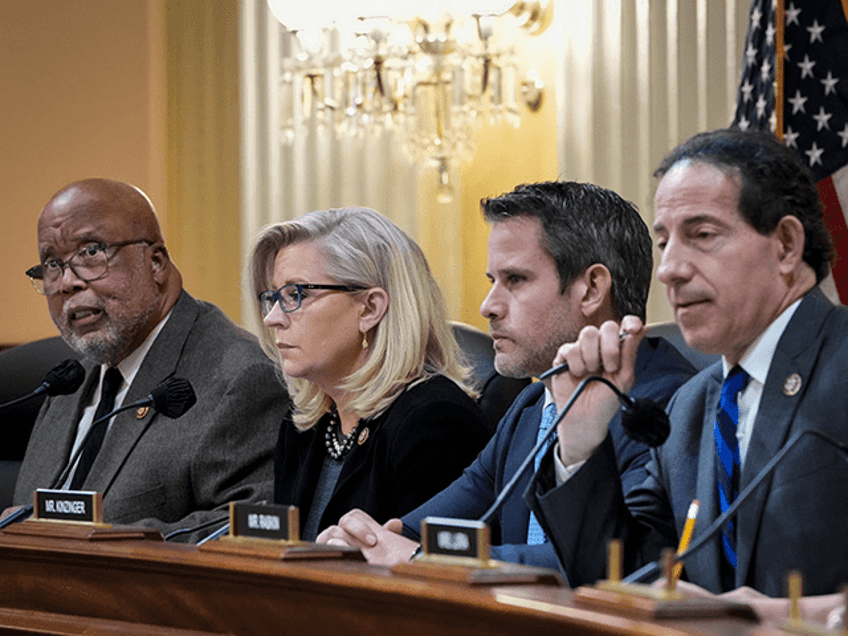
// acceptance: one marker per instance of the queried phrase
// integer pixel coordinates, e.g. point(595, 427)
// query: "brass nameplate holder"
point(270, 531)
point(64, 506)
point(459, 550)
point(795, 624)
point(646, 601)
point(75, 514)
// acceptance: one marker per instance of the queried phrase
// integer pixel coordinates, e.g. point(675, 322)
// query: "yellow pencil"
point(686, 537)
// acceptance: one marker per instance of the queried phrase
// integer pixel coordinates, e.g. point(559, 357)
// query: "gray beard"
point(113, 343)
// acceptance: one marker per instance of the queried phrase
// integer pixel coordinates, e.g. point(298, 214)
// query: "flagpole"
point(779, 55)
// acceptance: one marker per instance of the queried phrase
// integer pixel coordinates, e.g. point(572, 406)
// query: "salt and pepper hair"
point(773, 183)
point(583, 224)
point(413, 341)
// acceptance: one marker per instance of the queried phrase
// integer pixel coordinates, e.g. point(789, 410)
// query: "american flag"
point(810, 87)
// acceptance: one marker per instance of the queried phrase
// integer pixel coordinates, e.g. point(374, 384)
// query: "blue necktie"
point(726, 423)
point(535, 534)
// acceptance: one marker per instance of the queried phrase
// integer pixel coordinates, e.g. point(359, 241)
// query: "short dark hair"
point(774, 182)
point(584, 224)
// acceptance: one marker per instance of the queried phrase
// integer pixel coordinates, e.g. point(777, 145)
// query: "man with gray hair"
point(117, 299)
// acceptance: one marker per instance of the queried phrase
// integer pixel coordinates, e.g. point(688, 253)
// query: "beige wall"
point(82, 96)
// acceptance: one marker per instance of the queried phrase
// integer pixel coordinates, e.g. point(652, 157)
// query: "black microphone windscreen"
point(65, 378)
point(173, 397)
point(645, 421)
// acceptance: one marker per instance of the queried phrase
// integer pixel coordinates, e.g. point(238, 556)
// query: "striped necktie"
point(727, 445)
point(535, 534)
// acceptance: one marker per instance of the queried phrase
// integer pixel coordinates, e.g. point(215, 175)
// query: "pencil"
point(686, 537)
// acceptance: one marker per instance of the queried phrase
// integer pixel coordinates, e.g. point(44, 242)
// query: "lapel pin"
point(363, 436)
point(141, 412)
point(792, 384)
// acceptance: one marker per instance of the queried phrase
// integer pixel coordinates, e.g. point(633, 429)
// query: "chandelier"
point(425, 70)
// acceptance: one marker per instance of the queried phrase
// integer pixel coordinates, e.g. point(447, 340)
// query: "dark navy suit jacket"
point(795, 520)
point(660, 370)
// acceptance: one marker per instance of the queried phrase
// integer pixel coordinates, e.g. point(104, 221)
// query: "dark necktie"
point(112, 381)
point(727, 445)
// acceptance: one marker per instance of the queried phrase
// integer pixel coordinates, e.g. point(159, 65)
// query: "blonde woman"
point(383, 418)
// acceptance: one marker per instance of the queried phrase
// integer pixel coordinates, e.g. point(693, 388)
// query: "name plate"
point(261, 521)
point(77, 506)
point(455, 538)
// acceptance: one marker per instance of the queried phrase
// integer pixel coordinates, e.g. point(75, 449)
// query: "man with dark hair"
point(561, 255)
point(117, 299)
point(743, 247)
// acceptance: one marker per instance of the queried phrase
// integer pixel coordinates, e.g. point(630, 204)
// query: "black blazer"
point(414, 449)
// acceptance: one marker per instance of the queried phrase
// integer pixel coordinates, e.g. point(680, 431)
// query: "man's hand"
point(381, 545)
point(9, 511)
point(772, 611)
point(601, 352)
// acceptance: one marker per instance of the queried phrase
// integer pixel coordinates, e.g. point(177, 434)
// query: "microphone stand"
point(158, 399)
point(25, 511)
point(654, 567)
point(510, 486)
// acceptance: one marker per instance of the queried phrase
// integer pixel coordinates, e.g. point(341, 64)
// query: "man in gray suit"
point(743, 246)
point(117, 299)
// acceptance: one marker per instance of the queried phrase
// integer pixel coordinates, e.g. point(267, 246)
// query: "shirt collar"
point(130, 365)
point(758, 356)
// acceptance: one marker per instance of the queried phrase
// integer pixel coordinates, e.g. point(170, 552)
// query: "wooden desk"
point(141, 587)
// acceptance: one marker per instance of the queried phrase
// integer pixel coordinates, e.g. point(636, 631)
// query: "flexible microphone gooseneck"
point(642, 419)
point(218, 533)
point(63, 379)
point(655, 567)
point(172, 398)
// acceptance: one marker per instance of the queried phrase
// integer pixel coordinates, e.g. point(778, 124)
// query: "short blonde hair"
point(413, 340)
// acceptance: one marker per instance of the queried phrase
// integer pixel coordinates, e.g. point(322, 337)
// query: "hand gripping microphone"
point(655, 567)
point(63, 379)
point(642, 419)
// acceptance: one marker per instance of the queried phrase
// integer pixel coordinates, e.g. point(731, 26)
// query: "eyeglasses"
point(290, 296)
point(89, 263)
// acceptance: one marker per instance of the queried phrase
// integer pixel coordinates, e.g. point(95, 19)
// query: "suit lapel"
point(53, 458)
point(514, 515)
point(706, 561)
point(775, 417)
point(159, 364)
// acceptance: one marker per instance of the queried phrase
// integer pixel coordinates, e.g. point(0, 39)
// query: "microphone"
point(643, 420)
point(172, 398)
point(653, 568)
point(640, 414)
point(63, 379)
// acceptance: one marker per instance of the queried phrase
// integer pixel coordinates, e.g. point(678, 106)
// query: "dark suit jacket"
point(177, 473)
point(795, 520)
point(660, 371)
point(414, 449)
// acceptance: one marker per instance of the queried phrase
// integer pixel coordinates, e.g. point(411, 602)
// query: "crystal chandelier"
point(426, 70)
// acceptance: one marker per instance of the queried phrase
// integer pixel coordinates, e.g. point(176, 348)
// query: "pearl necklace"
point(336, 449)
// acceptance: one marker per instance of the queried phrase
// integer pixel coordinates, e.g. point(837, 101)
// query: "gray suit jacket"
point(795, 520)
point(178, 473)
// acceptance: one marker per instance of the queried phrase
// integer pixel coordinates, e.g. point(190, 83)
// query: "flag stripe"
point(833, 191)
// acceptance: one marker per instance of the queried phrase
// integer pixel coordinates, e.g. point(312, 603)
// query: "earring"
point(364, 342)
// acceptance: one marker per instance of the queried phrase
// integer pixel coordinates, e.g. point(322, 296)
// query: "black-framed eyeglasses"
point(89, 263)
point(291, 296)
